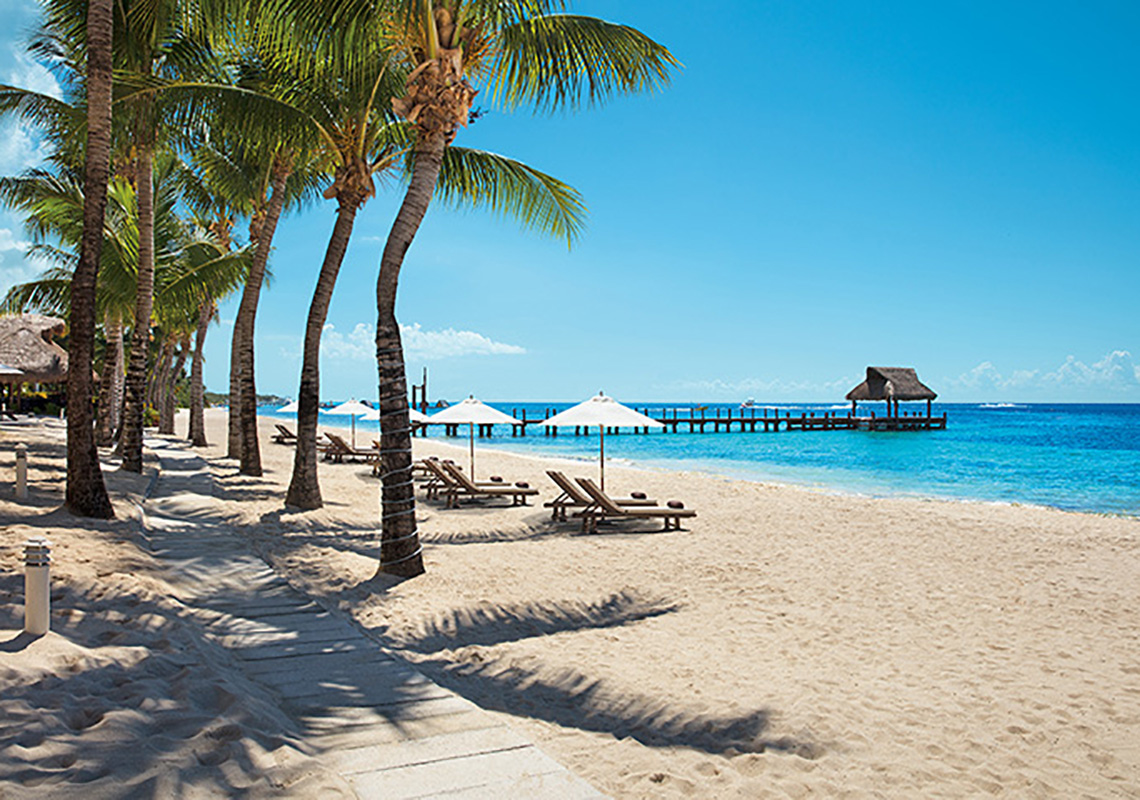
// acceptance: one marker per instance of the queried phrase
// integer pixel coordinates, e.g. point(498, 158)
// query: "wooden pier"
point(727, 420)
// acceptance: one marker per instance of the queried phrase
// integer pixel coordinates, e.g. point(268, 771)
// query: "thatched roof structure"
point(895, 383)
point(25, 344)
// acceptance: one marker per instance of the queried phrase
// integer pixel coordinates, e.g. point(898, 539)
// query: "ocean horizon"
point(1072, 456)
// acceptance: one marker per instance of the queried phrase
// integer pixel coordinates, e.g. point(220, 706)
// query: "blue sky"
point(825, 185)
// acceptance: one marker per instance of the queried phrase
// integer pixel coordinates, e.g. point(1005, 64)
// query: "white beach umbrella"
point(289, 408)
point(472, 412)
point(352, 408)
point(605, 412)
point(413, 415)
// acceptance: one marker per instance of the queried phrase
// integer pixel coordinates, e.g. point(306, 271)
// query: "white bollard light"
point(21, 472)
point(37, 586)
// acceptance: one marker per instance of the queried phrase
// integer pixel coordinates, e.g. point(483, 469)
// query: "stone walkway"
point(387, 729)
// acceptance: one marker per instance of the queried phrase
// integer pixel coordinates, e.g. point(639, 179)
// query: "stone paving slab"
point(387, 729)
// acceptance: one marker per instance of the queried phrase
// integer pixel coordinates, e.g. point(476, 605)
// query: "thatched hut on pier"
point(892, 385)
point(27, 350)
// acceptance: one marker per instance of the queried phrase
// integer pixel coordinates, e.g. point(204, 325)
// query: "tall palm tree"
point(154, 44)
point(52, 202)
point(192, 264)
point(197, 432)
point(256, 174)
point(86, 494)
point(346, 109)
point(85, 34)
point(527, 54)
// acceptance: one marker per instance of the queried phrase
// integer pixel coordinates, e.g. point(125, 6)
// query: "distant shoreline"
point(982, 458)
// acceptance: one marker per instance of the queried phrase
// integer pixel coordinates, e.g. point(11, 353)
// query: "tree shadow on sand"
point(139, 711)
point(568, 697)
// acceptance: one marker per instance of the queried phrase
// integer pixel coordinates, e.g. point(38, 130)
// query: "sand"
point(787, 643)
point(124, 697)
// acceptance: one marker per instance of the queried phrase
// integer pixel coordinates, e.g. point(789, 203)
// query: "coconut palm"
point(191, 264)
point(86, 494)
point(526, 54)
point(52, 203)
point(345, 108)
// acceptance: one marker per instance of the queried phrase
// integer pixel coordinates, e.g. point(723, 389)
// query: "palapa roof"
point(898, 383)
point(25, 343)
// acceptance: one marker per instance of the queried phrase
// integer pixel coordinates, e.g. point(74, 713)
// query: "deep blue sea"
point(1076, 457)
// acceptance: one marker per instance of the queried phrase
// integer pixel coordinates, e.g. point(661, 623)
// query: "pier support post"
point(37, 586)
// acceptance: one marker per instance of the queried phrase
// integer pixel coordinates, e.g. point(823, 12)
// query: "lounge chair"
point(338, 450)
point(607, 507)
point(463, 486)
point(573, 497)
point(284, 435)
point(441, 481)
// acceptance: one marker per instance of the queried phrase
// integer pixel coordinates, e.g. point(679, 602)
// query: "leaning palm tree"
point(526, 54)
point(353, 128)
point(257, 173)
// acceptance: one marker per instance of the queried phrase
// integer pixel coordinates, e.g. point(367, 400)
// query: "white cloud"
point(1115, 373)
point(30, 75)
point(19, 144)
point(13, 268)
point(8, 241)
point(18, 149)
point(359, 344)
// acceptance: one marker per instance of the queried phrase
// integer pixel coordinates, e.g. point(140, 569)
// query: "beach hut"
point(891, 384)
point(26, 346)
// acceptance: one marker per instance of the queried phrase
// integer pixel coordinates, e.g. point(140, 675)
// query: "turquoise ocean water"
point(1075, 457)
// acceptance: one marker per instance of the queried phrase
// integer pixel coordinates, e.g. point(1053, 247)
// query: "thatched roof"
point(898, 383)
point(25, 343)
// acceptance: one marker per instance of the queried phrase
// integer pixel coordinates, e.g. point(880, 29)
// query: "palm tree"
point(255, 174)
point(191, 264)
point(527, 55)
point(91, 34)
point(154, 45)
point(197, 432)
point(86, 494)
point(346, 110)
point(206, 270)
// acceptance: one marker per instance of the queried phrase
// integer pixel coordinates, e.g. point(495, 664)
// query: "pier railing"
point(724, 420)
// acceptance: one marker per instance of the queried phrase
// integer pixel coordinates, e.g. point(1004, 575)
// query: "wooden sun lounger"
point(338, 450)
point(439, 480)
point(284, 435)
point(606, 507)
point(573, 497)
point(463, 486)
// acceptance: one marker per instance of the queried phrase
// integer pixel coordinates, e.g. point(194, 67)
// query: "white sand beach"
point(787, 643)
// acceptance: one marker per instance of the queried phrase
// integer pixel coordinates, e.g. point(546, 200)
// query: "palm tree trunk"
point(233, 444)
point(304, 489)
point(400, 551)
point(169, 400)
point(247, 313)
point(86, 494)
point(156, 382)
point(144, 301)
point(112, 368)
point(197, 388)
point(119, 387)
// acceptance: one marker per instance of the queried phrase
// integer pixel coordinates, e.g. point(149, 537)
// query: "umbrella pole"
point(471, 433)
point(602, 457)
point(353, 418)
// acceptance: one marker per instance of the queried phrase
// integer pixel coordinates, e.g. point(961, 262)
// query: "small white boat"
point(749, 403)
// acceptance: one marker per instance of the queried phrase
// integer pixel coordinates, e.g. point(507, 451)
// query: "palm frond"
point(538, 201)
point(559, 60)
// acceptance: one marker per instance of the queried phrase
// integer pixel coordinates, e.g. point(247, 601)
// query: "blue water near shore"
point(1075, 457)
